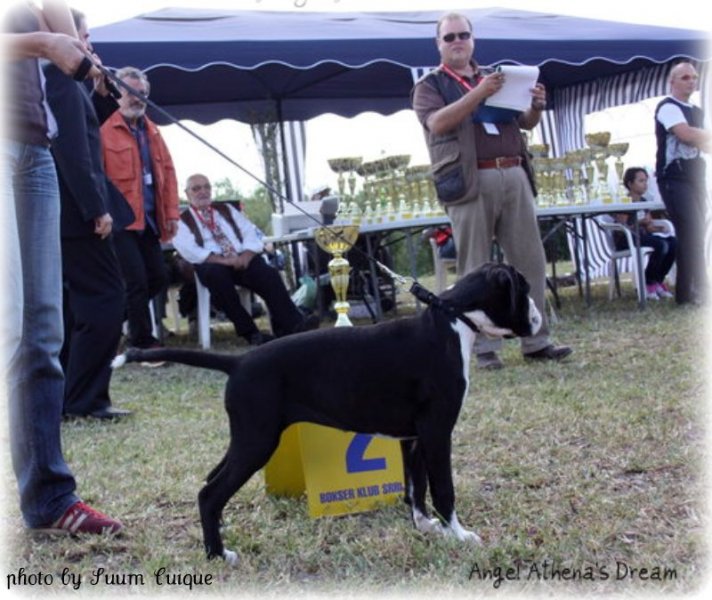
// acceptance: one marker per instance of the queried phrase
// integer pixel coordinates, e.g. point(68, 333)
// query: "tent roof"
point(263, 65)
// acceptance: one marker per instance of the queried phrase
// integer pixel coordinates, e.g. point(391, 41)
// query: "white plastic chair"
point(609, 225)
point(203, 311)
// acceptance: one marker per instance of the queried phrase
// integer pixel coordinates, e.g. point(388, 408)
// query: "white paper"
point(516, 92)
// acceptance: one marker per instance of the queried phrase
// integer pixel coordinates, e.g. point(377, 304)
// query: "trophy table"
point(341, 472)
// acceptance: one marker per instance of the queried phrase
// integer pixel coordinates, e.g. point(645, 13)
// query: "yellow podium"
point(341, 472)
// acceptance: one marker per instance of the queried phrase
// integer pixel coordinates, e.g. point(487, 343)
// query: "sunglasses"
point(463, 35)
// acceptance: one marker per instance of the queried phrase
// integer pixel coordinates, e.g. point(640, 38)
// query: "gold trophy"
point(345, 165)
point(598, 142)
point(576, 161)
point(337, 240)
point(539, 150)
point(618, 151)
point(558, 168)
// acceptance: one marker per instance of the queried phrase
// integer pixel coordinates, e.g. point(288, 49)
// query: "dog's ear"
point(509, 279)
point(511, 283)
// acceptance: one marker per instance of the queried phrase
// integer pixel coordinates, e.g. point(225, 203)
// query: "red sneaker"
point(81, 518)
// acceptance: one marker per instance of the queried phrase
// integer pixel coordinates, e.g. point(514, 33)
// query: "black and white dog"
point(405, 379)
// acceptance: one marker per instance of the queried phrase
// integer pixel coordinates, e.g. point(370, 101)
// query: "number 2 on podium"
point(355, 461)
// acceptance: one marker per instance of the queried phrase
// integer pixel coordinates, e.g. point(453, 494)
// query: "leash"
point(427, 297)
point(420, 292)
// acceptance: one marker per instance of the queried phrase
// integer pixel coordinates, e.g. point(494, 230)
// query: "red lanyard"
point(211, 224)
point(459, 78)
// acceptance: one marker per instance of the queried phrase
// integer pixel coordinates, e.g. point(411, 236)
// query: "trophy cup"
point(396, 164)
point(576, 161)
point(589, 171)
point(558, 167)
point(598, 142)
point(345, 165)
point(541, 175)
point(618, 151)
point(539, 150)
point(415, 175)
point(337, 240)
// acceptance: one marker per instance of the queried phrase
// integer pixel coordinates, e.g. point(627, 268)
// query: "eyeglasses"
point(448, 38)
point(201, 186)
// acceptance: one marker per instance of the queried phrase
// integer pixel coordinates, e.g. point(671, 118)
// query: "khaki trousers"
point(504, 211)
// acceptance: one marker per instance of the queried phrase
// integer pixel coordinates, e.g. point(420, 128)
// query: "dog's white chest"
point(467, 340)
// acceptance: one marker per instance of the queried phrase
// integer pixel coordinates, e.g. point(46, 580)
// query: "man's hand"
point(530, 118)
point(539, 97)
point(103, 225)
point(491, 84)
point(242, 261)
point(171, 228)
point(66, 52)
point(99, 80)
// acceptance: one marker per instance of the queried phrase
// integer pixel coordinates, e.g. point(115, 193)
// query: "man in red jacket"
point(138, 162)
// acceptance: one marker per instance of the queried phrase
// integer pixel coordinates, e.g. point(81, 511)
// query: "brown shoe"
point(549, 352)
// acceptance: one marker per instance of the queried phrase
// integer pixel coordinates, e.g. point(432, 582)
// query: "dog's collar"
point(427, 297)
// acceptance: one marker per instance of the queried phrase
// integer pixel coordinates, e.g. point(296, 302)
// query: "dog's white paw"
point(424, 524)
point(230, 557)
point(454, 529)
point(470, 537)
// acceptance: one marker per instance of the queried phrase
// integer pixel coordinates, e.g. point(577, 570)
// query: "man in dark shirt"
point(680, 171)
point(94, 290)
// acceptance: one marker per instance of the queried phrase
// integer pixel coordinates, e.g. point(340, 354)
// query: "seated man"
point(223, 246)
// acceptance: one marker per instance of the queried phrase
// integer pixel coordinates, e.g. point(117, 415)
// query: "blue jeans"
point(32, 335)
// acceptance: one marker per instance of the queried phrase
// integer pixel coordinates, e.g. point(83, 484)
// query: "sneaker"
point(651, 292)
point(489, 361)
point(81, 518)
point(663, 291)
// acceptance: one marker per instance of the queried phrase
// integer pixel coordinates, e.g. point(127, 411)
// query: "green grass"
point(586, 465)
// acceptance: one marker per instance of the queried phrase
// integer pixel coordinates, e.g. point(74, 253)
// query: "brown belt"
point(501, 162)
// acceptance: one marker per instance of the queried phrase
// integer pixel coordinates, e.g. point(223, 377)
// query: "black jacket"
point(85, 191)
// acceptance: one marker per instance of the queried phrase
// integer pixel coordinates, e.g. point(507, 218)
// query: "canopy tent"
point(257, 66)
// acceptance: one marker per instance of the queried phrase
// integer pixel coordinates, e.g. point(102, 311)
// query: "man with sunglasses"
point(481, 170)
point(680, 170)
point(138, 162)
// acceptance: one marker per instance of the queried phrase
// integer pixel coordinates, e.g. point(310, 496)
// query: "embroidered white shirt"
point(187, 246)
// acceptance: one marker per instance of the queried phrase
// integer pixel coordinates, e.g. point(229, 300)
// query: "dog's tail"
point(195, 358)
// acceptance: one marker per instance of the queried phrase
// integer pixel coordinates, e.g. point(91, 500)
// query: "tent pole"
point(285, 159)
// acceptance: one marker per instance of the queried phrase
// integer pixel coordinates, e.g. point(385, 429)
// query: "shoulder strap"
point(187, 217)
